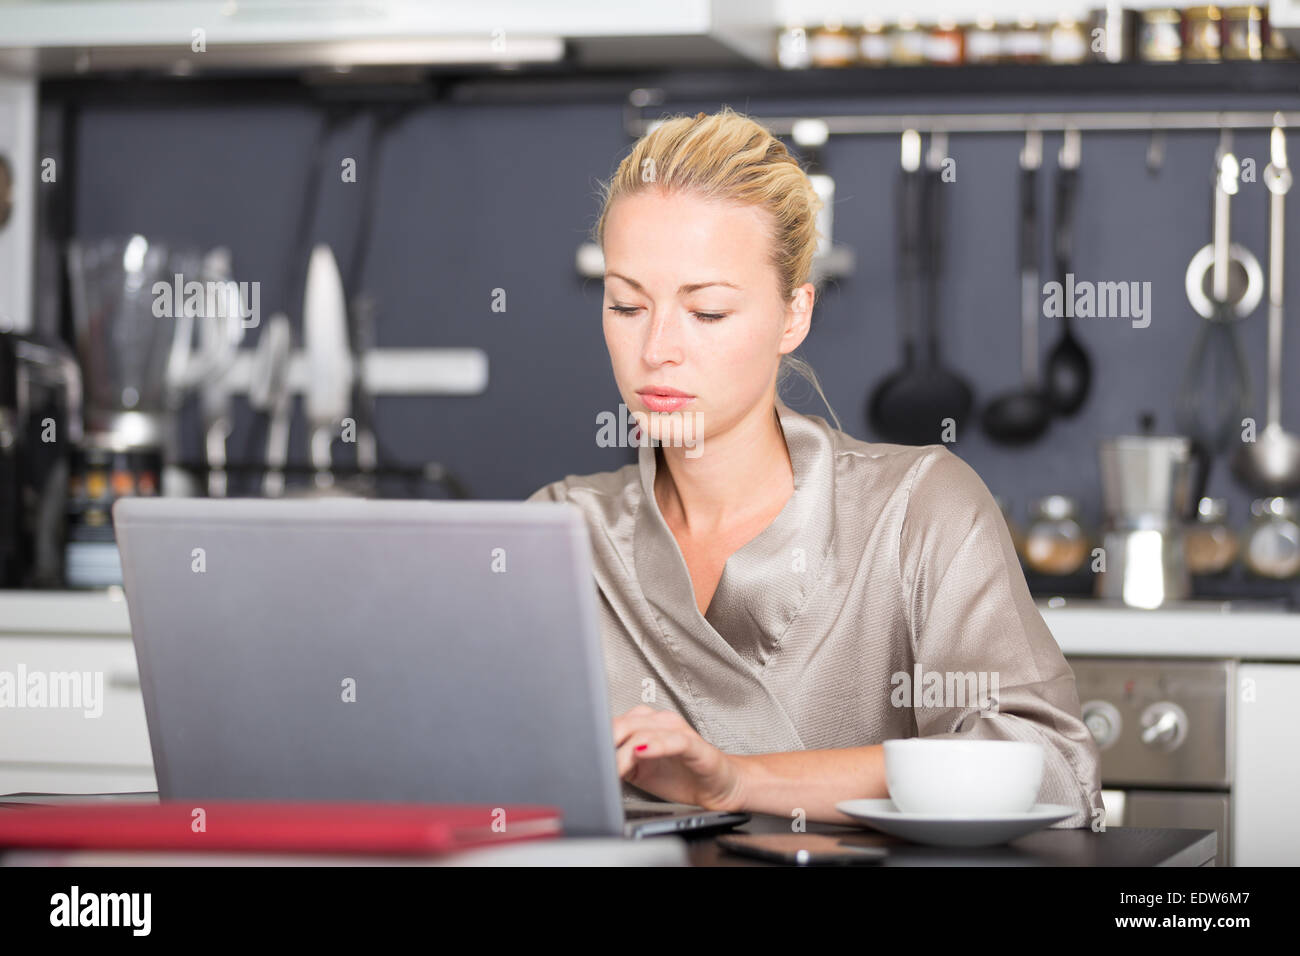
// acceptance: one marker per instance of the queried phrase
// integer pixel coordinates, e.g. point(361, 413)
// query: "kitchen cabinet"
point(98, 741)
point(1266, 830)
point(78, 35)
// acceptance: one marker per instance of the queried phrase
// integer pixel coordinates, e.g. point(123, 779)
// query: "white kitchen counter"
point(1081, 626)
point(1191, 629)
point(65, 612)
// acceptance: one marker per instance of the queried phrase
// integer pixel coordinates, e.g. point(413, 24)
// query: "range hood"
point(71, 37)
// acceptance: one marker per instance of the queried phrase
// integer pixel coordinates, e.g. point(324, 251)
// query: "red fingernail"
point(643, 747)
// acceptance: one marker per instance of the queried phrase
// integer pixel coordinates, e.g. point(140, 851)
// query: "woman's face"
point(692, 304)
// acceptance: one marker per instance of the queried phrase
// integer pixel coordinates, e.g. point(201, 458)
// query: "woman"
point(769, 586)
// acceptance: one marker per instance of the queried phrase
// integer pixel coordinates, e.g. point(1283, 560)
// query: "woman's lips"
point(664, 403)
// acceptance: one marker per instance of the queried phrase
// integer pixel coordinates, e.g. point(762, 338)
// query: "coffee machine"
point(1146, 483)
point(40, 427)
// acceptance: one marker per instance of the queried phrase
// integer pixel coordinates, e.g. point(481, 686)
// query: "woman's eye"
point(702, 316)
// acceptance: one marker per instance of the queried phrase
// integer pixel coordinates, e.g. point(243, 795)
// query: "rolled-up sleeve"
point(970, 612)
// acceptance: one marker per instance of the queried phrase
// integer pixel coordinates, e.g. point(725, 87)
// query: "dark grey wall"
point(471, 198)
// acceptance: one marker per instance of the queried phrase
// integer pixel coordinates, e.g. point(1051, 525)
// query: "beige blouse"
point(888, 560)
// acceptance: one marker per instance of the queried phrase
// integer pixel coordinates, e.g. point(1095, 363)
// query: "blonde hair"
point(728, 156)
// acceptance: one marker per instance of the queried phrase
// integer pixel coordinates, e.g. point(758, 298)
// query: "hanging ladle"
point(1021, 416)
point(1270, 465)
point(1068, 376)
point(913, 404)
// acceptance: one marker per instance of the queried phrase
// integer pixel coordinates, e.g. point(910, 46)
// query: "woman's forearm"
point(811, 780)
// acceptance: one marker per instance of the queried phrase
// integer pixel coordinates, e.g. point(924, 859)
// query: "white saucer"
point(952, 831)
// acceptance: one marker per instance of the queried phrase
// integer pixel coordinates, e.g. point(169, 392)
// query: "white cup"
point(963, 778)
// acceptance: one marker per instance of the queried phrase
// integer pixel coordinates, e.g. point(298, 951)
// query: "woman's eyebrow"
point(689, 287)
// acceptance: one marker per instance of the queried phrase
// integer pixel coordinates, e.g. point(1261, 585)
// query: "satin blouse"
point(887, 560)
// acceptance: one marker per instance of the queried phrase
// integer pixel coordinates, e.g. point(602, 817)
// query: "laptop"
point(351, 649)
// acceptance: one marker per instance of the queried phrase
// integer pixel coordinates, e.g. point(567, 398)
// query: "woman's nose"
point(663, 338)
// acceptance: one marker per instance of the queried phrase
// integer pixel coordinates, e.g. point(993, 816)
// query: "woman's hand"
point(658, 751)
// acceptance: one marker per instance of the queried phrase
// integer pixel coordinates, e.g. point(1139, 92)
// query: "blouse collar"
point(765, 583)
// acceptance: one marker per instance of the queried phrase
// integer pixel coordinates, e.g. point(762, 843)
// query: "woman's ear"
point(798, 317)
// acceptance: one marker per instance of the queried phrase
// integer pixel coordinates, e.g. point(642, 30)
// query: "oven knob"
point(1164, 726)
point(1103, 721)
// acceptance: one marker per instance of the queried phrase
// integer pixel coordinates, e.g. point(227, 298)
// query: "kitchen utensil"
point(951, 395)
point(1020, 417)
point(1145, 484)
point(1216, 370)
point(1270, 465)
point(889, 406)
point(333, 116)
point(1272, 545)
point(1055, 542)
point(1245, 278)
point(1068, 375)
point(269, 393)
point(362, 334)
point(912, 404)
point(39, 381)
point(1145, 477)
point(329, 363)
point(121, 345)
point(219, 340)
point(1210, 543)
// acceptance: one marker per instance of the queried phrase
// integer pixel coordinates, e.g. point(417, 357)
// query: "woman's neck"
point(742, 475)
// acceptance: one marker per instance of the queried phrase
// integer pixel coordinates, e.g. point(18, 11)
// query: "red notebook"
point(370, 828)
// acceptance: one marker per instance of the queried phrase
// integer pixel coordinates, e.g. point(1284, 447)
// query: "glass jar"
point(1209, 544)
point(833, 45)
point(1024, 42)
point(1160, 35)
point(945, 44)
point(1055, 542)
point(1203, 35)
point(1066, 42)
point(909, 43)
point(1275, 45)
point(792, 48)
point(873, 44)
point(1243, 33)
point(1272, 546)
point(983, 41)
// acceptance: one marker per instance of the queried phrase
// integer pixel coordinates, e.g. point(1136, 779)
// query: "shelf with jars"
point(1163, 34)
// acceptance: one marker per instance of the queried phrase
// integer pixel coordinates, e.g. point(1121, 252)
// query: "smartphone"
point(801, 849)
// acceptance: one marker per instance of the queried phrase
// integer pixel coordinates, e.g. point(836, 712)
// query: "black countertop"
point(1117, 846)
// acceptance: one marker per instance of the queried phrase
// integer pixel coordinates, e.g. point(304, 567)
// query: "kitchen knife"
point(268, 392)
point(329, 360)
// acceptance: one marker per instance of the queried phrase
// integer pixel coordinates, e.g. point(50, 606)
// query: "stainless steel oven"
point(1164, 729)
